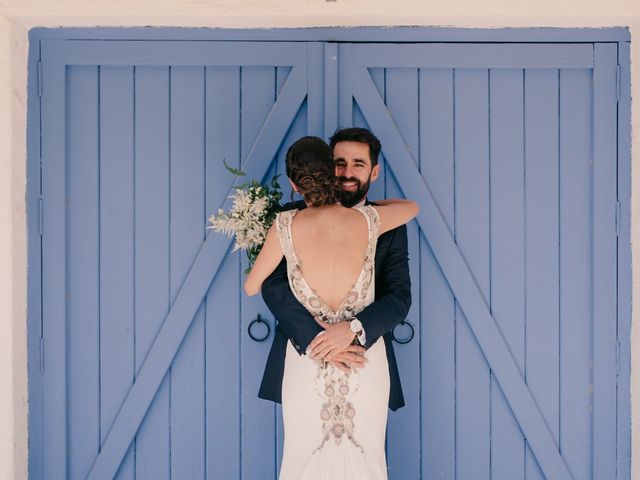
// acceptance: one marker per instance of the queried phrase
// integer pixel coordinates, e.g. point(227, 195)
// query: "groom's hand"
point(350, 359)
point(335, 340)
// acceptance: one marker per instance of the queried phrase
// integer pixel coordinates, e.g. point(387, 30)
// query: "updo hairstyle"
point(310, 166)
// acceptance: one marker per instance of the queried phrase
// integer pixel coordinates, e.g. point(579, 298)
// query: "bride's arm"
point(267, 261)
point(395, 212)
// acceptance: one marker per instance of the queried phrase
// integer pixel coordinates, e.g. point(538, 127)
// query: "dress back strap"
point(283, 226)
point(373, 221)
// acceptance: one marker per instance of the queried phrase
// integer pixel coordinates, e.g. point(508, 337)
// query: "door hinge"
point(41, 355)
point(618, 83)
point(617, 218)
point(40, 216)
point(39, 78)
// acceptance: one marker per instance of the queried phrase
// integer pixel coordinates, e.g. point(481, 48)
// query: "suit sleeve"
point(393, 290)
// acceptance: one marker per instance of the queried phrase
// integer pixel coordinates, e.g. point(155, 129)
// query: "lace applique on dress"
point(332, 385)
point(337, 412)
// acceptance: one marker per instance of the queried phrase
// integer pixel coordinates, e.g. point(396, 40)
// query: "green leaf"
point(235, 171)
point(274, 181)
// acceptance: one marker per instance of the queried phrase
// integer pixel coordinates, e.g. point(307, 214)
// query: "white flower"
point(247, 219)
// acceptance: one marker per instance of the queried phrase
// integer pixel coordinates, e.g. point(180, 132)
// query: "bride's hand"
point(336, 338)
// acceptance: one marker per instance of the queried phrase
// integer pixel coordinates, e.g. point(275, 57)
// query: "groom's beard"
point(350, 198)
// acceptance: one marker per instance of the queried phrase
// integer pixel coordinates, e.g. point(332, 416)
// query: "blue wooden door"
point(511, 150)
point(146, 368)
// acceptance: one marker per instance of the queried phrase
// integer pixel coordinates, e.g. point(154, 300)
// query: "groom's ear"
point(375, 171)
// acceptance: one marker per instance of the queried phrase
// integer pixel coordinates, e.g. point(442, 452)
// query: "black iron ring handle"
point(259, 320)
point(406, 340)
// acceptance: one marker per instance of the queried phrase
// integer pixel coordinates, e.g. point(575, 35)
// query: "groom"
point(355, 151)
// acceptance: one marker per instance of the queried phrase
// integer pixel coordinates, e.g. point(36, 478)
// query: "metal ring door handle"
point(258, 319)
point(406, 340)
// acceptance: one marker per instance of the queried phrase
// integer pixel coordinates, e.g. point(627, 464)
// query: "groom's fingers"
point(351, 350)
point(354, 360)
point(344, 354)
point(317, 351)
point(319, 339)
point(315, 346)
point(323, 348)
point(342, 366)
point(324, 351)
point(355, 349)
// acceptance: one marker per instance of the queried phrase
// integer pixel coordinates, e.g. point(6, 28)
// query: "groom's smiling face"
point(354, 171)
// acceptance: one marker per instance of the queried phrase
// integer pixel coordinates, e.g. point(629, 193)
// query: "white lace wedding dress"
point(334, 424)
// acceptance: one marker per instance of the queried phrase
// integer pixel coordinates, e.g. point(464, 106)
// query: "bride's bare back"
point(330, 243)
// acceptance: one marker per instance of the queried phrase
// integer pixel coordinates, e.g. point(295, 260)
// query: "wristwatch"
point(355, 326)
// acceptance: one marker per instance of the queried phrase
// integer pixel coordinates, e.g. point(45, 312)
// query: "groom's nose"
point(349, 171)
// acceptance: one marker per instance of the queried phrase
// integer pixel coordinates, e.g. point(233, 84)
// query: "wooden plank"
point(152, 255)
point(479, 55)
point(507, 222)
point(473, 379)
point(222, 328)
point(461, 281)
point(315, 95)
point(344, 34)
point(187, 232)
point(116, 247)
point(54, 269)
point(542, 250)
point(575, 271)
point(345, 87)
point(257, 416)
point(604, 259)
point(403, 431)
point(194, 288)
point(288, 105)
point(34, 263)
point(331, 95)
point(83, 270)
point(268, 54)
point(624, 265)
point(300, 126)
point(379, 187)
point(436, 298)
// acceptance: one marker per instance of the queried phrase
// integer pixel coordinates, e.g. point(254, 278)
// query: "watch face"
point(355, 325)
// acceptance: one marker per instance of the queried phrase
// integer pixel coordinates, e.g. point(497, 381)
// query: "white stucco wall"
point(18, 16)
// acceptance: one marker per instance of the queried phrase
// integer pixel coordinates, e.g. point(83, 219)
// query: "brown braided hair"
point(309, 164)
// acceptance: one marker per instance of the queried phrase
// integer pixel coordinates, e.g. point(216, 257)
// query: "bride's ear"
point(294, 186)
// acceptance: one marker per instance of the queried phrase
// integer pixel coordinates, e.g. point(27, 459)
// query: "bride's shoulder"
point(283, 219)
point(287, 213)
point(369, 211)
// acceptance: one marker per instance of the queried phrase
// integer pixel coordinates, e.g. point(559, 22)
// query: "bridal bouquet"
point(254, 209)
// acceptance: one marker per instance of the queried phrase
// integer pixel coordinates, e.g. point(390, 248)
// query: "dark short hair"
point(362, 135)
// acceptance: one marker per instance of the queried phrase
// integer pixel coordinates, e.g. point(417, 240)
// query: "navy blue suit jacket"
point(295, 323)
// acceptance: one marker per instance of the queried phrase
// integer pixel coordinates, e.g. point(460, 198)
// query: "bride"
point(334, 417)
